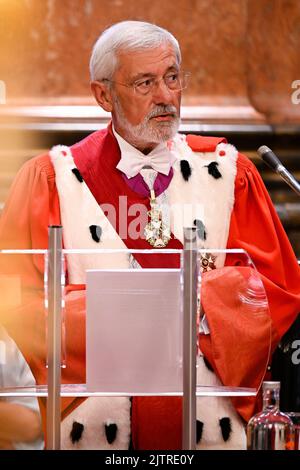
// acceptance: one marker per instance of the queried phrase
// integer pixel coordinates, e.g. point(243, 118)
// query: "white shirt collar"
point(132, 160)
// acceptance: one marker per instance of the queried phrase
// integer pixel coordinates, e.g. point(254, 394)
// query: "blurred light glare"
point(2, 91)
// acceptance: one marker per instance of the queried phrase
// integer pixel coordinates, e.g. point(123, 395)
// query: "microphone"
point(273, 162)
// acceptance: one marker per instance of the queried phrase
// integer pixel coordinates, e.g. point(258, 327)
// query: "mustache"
point(162, 109)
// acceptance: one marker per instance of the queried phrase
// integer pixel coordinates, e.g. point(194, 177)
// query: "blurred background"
point(244, 56)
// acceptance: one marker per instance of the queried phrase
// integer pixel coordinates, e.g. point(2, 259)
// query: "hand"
point(18, 424)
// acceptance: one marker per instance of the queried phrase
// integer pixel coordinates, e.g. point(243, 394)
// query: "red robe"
point(33, 205)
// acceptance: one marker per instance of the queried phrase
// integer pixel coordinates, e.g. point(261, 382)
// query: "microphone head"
point(262, 150)
point(269, 157)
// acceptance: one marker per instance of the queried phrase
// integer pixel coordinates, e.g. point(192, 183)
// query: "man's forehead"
point(145, 61)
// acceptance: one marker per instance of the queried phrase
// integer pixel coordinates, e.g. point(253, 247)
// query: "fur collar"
point(200, 194)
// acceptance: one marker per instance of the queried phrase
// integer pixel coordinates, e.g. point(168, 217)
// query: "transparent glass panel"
point(23, 315)
point(22, 346)
point(232, 310)
point(131, 334)
point(234, 318)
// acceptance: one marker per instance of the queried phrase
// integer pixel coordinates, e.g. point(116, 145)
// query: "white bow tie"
point(160, 159)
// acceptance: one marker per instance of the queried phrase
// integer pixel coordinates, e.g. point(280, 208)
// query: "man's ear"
point(102, 95)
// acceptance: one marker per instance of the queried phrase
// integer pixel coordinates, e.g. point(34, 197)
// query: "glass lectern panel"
point(131, 334)
point(110, 323)
point(134, 322)
point(121, 328)
point(234, 318)
point(23, 320)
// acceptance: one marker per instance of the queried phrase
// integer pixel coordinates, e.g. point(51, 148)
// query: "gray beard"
point(148, 132)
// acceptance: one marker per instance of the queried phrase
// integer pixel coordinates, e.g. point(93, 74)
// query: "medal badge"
point(207, 262)
point(156, 232)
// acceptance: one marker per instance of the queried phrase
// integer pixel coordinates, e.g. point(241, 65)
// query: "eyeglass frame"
point(156, 81)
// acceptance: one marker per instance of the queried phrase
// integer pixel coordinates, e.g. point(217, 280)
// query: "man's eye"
point(144, 84)
point(172, 77)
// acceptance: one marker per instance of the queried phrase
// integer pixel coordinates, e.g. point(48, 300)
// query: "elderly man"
point(136, 76)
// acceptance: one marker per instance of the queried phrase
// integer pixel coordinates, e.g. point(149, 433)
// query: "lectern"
point(169, 307)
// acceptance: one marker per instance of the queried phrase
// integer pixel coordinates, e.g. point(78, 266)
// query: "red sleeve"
point(255, 227)
point(29, 209)
point(31, 206)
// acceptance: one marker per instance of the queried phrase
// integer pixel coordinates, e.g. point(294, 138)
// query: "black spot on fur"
point(96, 232)
point(199, 430)
point(185, 169)
point(213, 170)
point(226, 430)
point(77, 174)
point(201, 233)
point(208, 365)
point(76, 433)
point(111, 432)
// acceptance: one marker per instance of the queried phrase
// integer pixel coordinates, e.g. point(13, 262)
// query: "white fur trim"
point(210, 410)
point(79, 210)
point(94, 413)
point(202, 196)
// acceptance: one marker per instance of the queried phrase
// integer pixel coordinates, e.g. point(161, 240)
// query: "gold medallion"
point(156, 232)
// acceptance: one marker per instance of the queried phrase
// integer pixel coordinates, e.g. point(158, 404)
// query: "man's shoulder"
point(200, 143)
point(244, 166)
point(41, 163)
point(95, 139)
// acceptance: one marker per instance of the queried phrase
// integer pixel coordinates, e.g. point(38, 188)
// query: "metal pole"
point(54, 336)
point(189, 338)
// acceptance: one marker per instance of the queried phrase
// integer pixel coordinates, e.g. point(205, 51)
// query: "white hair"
point(129, 36)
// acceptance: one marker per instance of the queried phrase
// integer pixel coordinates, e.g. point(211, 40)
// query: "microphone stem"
point(288, 178)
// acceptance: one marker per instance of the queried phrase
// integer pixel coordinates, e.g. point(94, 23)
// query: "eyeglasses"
point(174, 81)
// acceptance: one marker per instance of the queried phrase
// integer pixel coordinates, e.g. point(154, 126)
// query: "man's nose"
point(161, 93)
